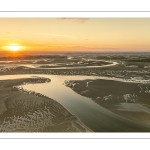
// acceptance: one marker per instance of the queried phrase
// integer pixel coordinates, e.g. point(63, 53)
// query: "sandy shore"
point(27, 111)
point(130, 100)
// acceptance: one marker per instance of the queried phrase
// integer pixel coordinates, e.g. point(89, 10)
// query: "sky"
point(75, 34)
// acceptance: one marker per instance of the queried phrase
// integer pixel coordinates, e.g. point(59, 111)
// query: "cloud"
point(7, 33)
point(77, 20)
point(24, 32)
point(60, 35)
point(4, 39)
point(53, 34)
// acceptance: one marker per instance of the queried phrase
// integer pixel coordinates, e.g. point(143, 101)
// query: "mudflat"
point(130, 100)
point(123, 98)
point(26, 111)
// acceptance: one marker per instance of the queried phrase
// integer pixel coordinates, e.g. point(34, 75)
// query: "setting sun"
point(74, 34)
point(14, 47)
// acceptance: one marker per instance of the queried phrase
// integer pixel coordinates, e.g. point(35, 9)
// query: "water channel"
point(94, 116)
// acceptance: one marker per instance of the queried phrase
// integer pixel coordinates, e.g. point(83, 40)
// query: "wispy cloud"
point(60, 35)
point(7, 33)
point(3, 39)
point(25, 32)
point(77, 20)
point(53, 34)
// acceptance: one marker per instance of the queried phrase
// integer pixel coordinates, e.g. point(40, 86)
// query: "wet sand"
point(130, 100)
point(25, 111)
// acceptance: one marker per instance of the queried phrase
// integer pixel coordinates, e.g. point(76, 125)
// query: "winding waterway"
point(38, 66)
point(91, 114)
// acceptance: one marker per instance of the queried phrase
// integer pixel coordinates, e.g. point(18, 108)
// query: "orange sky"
point(85, 34)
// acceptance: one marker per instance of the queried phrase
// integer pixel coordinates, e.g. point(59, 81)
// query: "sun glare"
point(14, 47)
